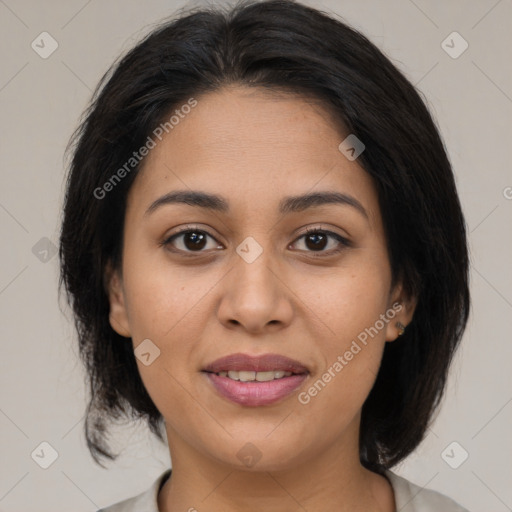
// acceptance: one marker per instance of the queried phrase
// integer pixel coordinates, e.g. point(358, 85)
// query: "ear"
point(118, 316)
point(403, 307)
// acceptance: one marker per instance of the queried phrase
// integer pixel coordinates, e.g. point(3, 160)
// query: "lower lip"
point(256, 393)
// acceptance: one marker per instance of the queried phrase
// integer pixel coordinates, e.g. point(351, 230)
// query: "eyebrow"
point(288, 204)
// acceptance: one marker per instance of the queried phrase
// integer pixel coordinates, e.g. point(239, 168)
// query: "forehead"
point(250, 145)
point(240, 122)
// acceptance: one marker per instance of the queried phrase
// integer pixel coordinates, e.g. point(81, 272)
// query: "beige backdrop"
point(42, 391)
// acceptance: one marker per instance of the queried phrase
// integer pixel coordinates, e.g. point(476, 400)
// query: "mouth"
point(255, 381)
point(251, 376)
point(265, 363)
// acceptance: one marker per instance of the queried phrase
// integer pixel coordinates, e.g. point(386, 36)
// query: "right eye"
point(189, 240)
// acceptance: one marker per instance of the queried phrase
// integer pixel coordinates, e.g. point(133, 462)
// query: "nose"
point(255, 297)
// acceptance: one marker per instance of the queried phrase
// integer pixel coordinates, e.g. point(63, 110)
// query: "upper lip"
point(261, 363)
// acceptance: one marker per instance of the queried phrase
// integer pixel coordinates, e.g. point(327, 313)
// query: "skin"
point(255, 147)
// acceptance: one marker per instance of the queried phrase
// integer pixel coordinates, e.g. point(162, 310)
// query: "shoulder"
point(410, 497)
point(144, 502)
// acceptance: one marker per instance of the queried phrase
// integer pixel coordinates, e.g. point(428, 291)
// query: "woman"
point(266, 256)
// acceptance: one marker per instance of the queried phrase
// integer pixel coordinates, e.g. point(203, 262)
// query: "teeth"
point(245, 376)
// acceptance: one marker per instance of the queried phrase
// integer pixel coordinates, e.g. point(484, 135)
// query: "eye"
point(317, 239)
point(190, 239)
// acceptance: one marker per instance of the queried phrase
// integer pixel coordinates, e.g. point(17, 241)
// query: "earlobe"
point(403, 308)
point(401, 328)
point(118, 316)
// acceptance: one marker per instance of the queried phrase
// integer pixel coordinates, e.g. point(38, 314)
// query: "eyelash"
point(344, 243)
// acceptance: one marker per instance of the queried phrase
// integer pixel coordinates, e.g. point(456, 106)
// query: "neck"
point(332, 479)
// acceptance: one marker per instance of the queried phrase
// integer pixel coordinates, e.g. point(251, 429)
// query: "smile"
point(248, 376)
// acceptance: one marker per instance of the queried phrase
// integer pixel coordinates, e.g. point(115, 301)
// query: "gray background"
point(42, 394)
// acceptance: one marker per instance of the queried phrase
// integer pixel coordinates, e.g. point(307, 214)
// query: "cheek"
point(352, 309)
point(161, 298)
point(348, 300)
point(164, 305)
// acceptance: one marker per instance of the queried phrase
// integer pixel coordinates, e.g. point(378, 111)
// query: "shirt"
point(409, 497)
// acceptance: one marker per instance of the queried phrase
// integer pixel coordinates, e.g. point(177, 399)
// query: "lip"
point(261, 363)
point(254, 393)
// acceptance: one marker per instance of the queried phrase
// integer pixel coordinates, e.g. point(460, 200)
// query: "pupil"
point(316, 237)
point(197, 240)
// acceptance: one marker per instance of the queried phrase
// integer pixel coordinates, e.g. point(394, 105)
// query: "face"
point(258, 275)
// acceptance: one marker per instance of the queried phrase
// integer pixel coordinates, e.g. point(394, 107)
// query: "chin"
point(260, 454)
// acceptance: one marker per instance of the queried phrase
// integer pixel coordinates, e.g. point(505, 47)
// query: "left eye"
point(195, 240)
point(317, 240)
